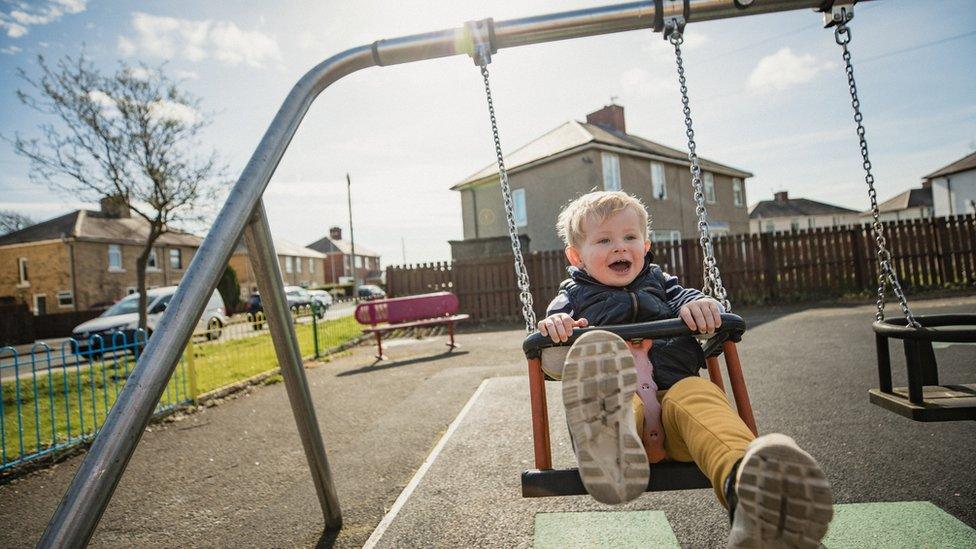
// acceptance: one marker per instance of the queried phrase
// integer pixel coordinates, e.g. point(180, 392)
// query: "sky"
point(768, 95)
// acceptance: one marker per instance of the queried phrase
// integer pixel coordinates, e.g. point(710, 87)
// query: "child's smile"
point(613, 249)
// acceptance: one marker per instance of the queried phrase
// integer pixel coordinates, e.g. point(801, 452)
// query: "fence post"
point(315, 328)
point(191, 369)
point(857, 251)
point(768, 265)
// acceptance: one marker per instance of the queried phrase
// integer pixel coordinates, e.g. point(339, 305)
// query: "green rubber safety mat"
point(903, 524)
point(617, 529)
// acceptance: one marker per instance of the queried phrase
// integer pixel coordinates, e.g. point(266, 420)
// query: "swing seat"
point(924, 399)
point(545, 359)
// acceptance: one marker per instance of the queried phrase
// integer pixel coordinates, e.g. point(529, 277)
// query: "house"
point(299, 266)
point(783, 213)
point(578, 157)
point(954, 187)
point(87, 259)
point(338, 260)
point(911, 204)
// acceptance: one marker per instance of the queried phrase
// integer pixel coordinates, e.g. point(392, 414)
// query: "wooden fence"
point(755, 268)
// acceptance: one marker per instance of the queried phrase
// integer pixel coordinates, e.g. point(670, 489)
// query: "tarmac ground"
point(426, 451)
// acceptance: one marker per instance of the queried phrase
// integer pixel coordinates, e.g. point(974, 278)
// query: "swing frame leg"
point(540, 415)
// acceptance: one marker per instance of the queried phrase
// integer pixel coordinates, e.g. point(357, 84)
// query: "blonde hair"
point(600, 204)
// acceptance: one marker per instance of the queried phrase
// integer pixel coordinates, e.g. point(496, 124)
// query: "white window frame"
point(117, 248)
point(811, 223)
point(659, 181)
point(69, 297)
point(289, 264)
point(298, 265)
point(152, 262)
point(795, 225)
point(346, 263)
point(611, 171)
point(738, 192)
point(667, 236)
point(34, 301)
point(360, 262)
point(311, 265)
point(770, 227)
point(709, 180)
point(520, 211)
point(23, 273)
point(177, 254)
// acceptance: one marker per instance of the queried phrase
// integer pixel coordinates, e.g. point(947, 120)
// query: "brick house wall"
point(319, 275)
point(48, 274)
point(550, 186)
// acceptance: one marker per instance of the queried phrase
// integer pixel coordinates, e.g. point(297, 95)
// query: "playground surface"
point(426, 451)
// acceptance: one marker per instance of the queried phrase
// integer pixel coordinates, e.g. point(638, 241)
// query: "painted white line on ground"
point(401, 500)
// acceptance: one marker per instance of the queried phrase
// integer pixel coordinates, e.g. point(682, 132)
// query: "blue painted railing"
point(56, 399)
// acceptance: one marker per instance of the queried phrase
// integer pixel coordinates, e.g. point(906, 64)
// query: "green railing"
point(57, 398)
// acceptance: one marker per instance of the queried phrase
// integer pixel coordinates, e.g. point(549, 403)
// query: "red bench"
point(385, 315)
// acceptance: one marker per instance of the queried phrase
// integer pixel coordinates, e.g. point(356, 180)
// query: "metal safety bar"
point(243, 213)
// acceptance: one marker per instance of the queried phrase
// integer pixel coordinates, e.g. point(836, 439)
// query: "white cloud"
point(186, 75)
point(177, 112)
point(638, 82)
point(140, 73)
point(17, 21)
point(104, 102)
point(170, 37)
point(10, 50)
point(784, 69)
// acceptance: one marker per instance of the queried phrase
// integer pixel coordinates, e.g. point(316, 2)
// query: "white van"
point(124, 317)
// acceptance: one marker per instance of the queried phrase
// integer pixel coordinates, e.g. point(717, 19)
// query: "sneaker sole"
point(599, 382)
point(785, 494)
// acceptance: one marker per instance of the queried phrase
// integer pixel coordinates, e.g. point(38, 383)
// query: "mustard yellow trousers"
point(700, 426)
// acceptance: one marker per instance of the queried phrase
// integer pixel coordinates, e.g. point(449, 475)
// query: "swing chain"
point(521, 273)
point(842, 35)
point(712, 278)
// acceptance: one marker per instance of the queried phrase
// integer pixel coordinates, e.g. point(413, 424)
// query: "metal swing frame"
point(243, 214)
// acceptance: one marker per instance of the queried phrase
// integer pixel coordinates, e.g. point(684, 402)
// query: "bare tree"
point(11, 221)
point(131, 135)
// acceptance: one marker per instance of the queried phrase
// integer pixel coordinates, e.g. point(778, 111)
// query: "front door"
point(40, 304)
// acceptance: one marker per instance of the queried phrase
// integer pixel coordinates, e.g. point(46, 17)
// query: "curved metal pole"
point(82, 506)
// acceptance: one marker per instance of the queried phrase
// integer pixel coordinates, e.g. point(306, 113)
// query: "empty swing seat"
point(545, 359)
point(924, 399)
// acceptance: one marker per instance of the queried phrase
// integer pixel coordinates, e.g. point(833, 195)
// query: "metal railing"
point(57, 397)
point(243, 213)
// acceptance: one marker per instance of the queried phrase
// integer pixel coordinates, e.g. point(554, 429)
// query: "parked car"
point(298, 298)
point(322, 299)
point(370, 291)
point(123, 317)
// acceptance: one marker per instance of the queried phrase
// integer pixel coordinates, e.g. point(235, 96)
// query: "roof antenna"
point(613, 99)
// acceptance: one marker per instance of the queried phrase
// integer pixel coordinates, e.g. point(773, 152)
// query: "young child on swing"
point(623, 415)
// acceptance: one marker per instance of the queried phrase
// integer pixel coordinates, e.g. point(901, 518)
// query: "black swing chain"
point(712, 278)
point(521, 274)
point(886, 272)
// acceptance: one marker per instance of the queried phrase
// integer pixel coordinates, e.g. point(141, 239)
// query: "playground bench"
point(386, 315)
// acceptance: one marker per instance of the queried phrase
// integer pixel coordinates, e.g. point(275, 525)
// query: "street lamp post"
point(352, 240)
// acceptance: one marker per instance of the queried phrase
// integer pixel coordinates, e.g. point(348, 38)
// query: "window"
point(659, 186)
point(22, 270)
point(311, 265)
point(770, 226)
point(66, 300)
point(738, 193)
point(795, 225)
point(811, 223)
point(175, 258)
point(152, 262)
point(518, 197)
point(709, 187)
point(346, 263)
point(289, 264)
point(611, 172)
point(114, 257)
point(359, 262)
point(665, 236)
point(40, 304)
point(298, 264)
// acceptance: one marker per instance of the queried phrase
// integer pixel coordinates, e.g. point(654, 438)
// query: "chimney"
point(335, 233)
point(780, 196)
point(610, 118)
point(115, 206)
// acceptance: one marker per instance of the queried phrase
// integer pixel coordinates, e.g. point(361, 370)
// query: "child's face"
point(613, 250)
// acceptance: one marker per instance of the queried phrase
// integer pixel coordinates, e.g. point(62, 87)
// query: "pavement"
point(235, 474)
